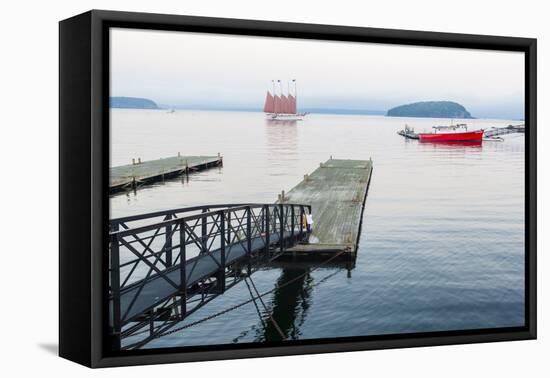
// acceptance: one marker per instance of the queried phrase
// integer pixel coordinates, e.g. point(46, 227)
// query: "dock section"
point(337, 192)
point(497, 131)
point(146, 172)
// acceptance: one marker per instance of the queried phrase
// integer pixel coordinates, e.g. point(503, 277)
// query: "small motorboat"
point(452, 133)
point(408, 132)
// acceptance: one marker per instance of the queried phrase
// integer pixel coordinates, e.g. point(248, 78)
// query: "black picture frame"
point(84, 201)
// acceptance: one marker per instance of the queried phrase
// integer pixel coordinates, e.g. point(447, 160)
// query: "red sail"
point(285, 108)
point(277, 104)
point(292, 104)
point(269, 106)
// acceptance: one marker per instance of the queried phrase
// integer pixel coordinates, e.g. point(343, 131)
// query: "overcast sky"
point(205, 70)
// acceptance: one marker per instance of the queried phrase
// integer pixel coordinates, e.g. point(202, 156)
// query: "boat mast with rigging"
point(282, 107)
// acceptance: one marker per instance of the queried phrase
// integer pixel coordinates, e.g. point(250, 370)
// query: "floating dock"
point(337, 192)
point(510, 129)
point(146, 172)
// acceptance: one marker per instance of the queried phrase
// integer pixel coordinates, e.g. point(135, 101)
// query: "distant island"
point(133, 103)
point(430, 109)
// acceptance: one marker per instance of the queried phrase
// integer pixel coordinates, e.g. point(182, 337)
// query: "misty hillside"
point(133, 103)
point(430, 109)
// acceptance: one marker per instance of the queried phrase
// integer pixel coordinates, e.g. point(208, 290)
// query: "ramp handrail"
point(153, 260)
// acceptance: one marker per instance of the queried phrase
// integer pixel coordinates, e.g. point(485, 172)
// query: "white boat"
point(280, 107)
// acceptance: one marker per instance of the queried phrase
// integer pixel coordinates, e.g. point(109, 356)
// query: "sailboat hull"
point(285, 117)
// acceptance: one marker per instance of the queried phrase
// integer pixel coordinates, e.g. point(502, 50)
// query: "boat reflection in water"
point(474, 144)
point(282, 122)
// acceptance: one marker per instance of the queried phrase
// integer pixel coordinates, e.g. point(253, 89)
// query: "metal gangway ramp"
point(166, 265)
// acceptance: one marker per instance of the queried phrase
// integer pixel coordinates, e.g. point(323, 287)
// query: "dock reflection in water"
point(288, 309)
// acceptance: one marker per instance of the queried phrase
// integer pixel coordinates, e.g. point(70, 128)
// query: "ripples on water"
point(442, 244)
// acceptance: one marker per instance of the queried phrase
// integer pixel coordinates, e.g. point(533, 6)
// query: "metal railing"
point(167, 264)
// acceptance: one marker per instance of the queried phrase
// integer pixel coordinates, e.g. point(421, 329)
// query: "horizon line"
point(335, 111)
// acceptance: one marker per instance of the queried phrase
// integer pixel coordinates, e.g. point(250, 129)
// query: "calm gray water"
point(442, 244)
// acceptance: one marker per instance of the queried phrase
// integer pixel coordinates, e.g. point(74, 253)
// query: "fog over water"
point(192, 70)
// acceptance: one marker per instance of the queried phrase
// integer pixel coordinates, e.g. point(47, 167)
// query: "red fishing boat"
point(452, 133)
point(280, 107)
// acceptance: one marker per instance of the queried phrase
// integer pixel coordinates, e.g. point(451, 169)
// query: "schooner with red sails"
point(281, 107)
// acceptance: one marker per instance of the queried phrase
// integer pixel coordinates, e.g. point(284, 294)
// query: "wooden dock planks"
point(146, 172)
point(337, 193)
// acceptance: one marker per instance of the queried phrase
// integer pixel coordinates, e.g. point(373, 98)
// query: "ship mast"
point(283, 106)
point(288, 88)
point(281, 110)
